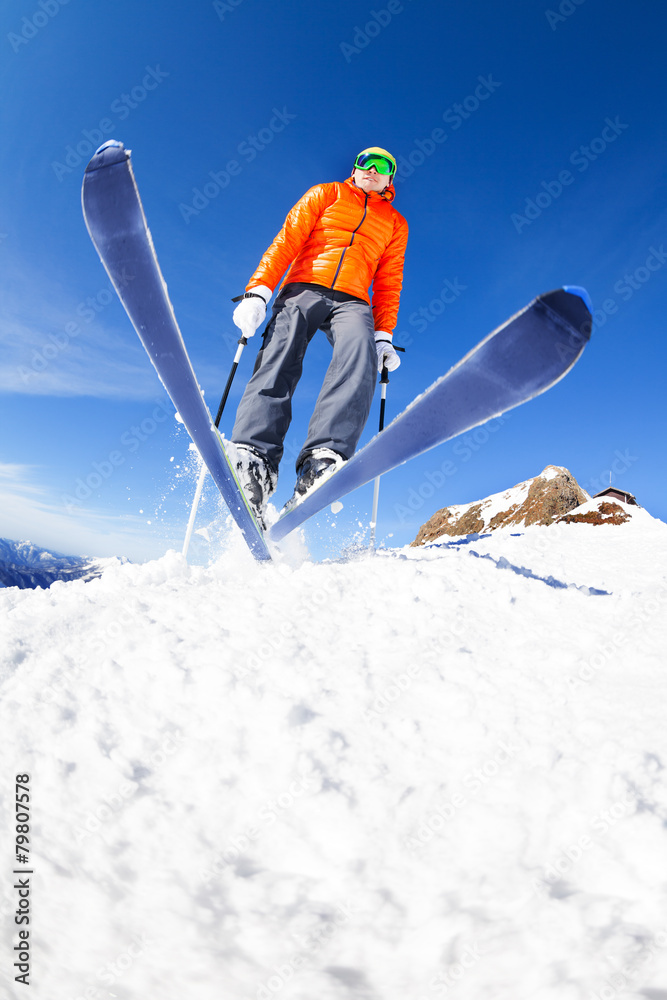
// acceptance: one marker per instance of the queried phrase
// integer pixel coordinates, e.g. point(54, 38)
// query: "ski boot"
point(316, 466)
point(256, 476)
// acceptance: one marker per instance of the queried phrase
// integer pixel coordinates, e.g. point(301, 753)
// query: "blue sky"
point(536, 136)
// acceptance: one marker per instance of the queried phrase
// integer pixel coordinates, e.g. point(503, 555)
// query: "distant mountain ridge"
point(551, 496)
point(29, 567)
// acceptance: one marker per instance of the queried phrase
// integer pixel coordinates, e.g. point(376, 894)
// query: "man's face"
point(370, 180)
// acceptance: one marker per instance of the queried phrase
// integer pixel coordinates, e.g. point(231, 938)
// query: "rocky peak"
point(542, 500)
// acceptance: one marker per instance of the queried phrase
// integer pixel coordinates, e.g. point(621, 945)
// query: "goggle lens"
point(367, 160)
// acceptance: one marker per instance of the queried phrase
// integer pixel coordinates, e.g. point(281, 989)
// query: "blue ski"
point(521, 359)
point(117, 225)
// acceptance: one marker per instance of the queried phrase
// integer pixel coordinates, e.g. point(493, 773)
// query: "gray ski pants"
point(344, 402)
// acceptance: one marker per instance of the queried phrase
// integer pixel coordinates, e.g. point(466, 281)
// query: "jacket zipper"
point(355, 231)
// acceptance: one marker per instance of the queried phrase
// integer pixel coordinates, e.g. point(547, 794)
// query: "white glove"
point(387, 356)
point(251, 311)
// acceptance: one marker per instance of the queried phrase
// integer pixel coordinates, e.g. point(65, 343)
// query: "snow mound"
point(608, 510)
point(391, 777)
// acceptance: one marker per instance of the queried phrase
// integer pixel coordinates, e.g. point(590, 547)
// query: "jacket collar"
point(387, 195)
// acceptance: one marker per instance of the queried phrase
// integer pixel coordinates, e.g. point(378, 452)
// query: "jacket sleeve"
point(290, 240)
point(388, 279)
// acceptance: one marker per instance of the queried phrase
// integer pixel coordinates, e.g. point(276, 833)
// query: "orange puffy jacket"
point(340, 237)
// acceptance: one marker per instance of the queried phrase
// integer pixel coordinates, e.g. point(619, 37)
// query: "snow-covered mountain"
point(25, 565)
point(541, 500)
point(436, 771)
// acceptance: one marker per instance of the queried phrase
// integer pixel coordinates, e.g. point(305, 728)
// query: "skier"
point(337, 240)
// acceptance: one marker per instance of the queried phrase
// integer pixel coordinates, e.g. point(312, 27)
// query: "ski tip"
point(582, 293)
point(111, 151)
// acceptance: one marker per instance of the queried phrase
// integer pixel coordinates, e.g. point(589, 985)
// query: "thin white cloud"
point(53, 345)
point(30, 512)
point(39, 358)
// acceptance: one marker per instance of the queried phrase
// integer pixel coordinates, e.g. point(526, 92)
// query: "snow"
point(497, 503)
point(432, 772)
point(619, 508)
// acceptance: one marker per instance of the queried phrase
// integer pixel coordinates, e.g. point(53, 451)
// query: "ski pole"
point(202, 472)
point(384, 381)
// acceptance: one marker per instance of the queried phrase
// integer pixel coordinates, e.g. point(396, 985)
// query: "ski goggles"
point(383, 164)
